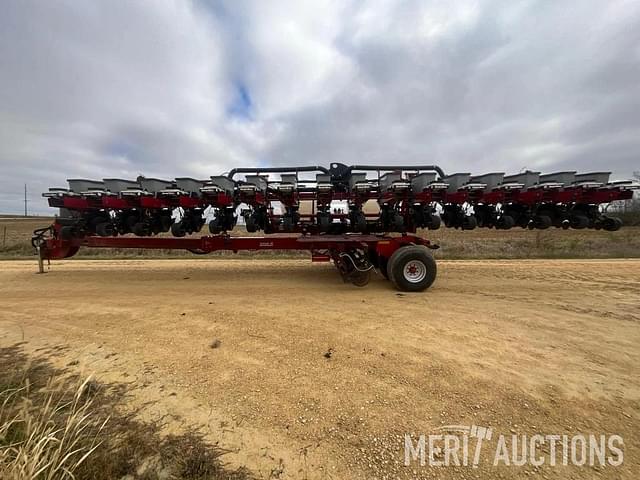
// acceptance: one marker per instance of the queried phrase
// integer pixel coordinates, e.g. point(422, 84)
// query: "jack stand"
point(40, 260)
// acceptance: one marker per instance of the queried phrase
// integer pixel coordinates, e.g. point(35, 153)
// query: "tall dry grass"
point(57, 426)
point(47, 437)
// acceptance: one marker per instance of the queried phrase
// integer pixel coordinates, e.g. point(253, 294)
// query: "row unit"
point(357, 183)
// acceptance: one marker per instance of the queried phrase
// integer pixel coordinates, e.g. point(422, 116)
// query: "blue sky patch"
point(241, 105)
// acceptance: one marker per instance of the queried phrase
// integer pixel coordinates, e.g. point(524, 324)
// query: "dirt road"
point(316, 379)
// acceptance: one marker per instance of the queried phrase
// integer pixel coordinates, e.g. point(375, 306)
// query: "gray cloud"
point(510, 87)
point(122, 88)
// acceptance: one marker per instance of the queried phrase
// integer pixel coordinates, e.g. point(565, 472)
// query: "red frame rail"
point(57, 248)
point(354, 255)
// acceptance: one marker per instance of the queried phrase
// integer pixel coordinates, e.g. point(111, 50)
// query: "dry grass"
point(456, 244)
point(50, 439)
point(15, 235)
point(522, 243)
point(55, 426)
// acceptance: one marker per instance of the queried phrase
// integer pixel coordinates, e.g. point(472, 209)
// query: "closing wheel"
point(178, 230)
point(469, 222)
point(214, 226)
point(249, 224)
point(324, 222)
point(412, 268)
point(398, 223)
point(506, 222)
point(611, 224)
point(579, 222)
point(359, 224)
point(105, 229)
point(360, 279)
point(165, 223)
point(434, 222)
point(542, 222)
point(141, 229)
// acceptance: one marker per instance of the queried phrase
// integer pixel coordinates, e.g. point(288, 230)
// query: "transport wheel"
point(412, 268)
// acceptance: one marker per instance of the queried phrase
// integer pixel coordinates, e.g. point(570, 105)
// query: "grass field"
point(15, 236)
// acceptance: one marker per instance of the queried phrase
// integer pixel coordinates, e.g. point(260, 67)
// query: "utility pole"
point(25, 199)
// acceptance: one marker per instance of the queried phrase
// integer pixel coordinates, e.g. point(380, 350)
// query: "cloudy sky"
point(192, 88)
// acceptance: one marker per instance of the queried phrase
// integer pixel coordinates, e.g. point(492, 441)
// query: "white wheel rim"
point(414, 271)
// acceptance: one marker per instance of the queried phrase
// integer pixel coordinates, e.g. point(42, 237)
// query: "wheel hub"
point(415, 271)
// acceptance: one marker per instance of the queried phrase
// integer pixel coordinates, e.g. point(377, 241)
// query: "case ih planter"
point(336, 224)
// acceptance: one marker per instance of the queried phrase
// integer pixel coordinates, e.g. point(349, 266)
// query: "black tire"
point(140, 229)
point(324, 222)
point(165, 223)
point(506, 222)
point(360, 279)
point(105, 229)
point(579, 222)
point(360, 224)
point(434, 222)
point(131, 220)
point(177, 230)
point(611, 224)
point(469, 222)
point(542, 222)
point(398, 223)
point(250, 224)
point(214, 226)
point(419, 258)
point(197, 224)
point(95, 221)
